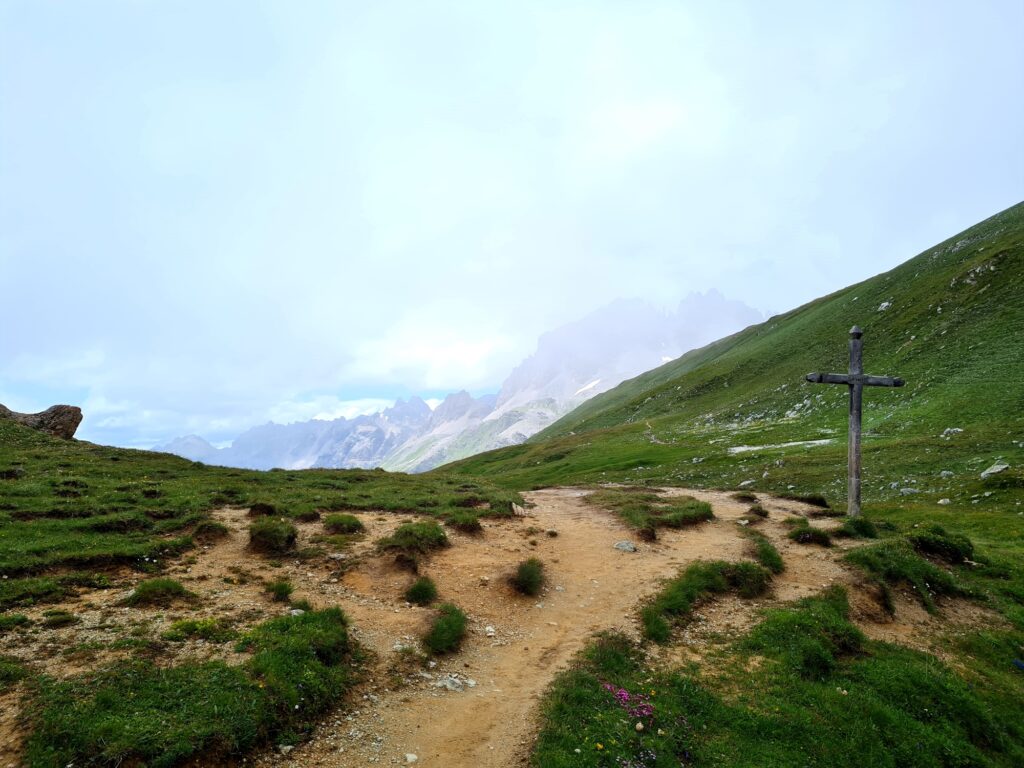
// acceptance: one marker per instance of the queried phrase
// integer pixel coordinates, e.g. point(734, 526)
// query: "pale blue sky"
point(213, 214)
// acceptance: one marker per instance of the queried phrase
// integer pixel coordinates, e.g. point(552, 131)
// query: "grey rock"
point(944, 502)
point(908, 491)
point(58, 420)
point(625, 546)
point(995, 469)
point(945, 473)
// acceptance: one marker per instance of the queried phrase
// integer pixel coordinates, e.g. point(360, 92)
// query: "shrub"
point(423, 591)
point(529, 577)
point(209, 530)
point(343, 523)
point(857, 528)
point(447, 631)
point(161, 592)
point(212, 630)
point(280, 591)
point(274, 537)
point(895, 562)
point(465, 521)
point(415, 538)
point(58, 618)
point(936, 541)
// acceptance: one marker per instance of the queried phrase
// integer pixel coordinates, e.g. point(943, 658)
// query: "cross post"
point(856, 381)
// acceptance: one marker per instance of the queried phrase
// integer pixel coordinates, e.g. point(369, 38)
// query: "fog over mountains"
point(572, 364)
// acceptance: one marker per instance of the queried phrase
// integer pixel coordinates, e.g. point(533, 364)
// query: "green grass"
point(213, 630)
point(11, 671)
point(646, 511)
point(821, 695)
point(137, 714)
point(423, 591)
point(280, 591)
point(13, 621)
point(765, 553)
point(895, 563)
point(447, 631)
point(938, 542)
point(57, 618)
point(856, 528)
point(697, 583)
point(416, 538)
point(464, 520)
point(804, 533)
point(528, 578)
point(272, 536)
point(343, 523)
point(158, 592)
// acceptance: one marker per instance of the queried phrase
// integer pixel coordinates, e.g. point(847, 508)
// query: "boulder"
point(58, 420)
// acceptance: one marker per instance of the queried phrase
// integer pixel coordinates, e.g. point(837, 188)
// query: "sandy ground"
point(476, 707)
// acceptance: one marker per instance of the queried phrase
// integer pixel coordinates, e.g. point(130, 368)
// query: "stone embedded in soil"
point(625, 546)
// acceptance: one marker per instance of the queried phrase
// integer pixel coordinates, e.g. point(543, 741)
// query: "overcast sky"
point(214, 214)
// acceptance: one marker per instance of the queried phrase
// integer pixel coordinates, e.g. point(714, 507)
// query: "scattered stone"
point(296, 612)
point(489, 631)
point(551, 532)
point(410, 758)
point(945, 473)
point(950, 431)
point(625, 546)
point(639, 727)
point(908, 491)
point(944, 502)
point(746, 483)
point(284, 749)
point(450, 682)
point(337, 556)
point(995, 469)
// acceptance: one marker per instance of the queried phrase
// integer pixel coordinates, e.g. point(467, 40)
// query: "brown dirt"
point(501, 674)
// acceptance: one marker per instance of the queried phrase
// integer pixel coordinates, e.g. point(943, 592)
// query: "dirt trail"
point(489, 722)
point(477, 707)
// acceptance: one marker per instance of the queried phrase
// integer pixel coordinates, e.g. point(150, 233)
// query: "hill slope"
point(949, 321)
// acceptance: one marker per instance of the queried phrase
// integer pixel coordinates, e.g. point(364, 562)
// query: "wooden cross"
point(856, 380)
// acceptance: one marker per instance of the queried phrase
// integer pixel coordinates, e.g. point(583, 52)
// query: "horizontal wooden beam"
point(855, 378)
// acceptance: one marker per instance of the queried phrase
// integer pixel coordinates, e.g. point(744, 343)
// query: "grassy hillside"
point(949, 321)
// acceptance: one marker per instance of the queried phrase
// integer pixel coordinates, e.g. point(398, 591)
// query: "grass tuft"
point(447, 631)
point(271, 536)
point(423, 591)
point(158, 592)
point(280, 590)
point(895, 562)
point(936, 541)
point(464, 520)
point(344, 523)
point(414, 538)
point(528, 578)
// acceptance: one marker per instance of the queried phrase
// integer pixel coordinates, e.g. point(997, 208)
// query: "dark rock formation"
point(58, 420)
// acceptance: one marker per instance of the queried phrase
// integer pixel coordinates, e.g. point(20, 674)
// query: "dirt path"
point(477, 707)
point(488, 721)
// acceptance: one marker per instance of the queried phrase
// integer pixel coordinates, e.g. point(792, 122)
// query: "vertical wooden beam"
point(856, 397)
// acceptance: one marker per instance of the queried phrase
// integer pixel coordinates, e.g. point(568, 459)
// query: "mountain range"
point(572, 364)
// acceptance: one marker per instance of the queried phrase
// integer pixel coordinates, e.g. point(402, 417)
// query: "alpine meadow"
point(511, 385)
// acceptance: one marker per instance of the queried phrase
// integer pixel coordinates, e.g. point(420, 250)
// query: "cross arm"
point(828, 378)
point(855, 378)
